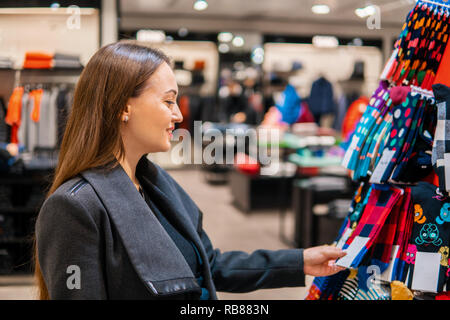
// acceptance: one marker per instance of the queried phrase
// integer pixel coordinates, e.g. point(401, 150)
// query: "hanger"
point(416, 89)
point(402, 191)
point(435, 3)
point(424, 94)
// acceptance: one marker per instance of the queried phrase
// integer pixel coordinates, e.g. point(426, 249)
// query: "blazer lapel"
point(159, 188)
point(144, 239)
point(177, 204)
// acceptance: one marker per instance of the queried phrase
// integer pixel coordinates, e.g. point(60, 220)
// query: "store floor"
point(227, 227)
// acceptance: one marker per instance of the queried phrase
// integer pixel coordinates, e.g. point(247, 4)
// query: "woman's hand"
point(319, 261)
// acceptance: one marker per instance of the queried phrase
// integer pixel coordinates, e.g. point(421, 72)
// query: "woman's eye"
point(170, 103)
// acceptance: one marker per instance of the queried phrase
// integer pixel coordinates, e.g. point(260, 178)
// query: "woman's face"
point(152, 115)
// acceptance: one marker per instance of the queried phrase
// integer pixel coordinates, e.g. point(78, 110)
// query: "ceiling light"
point(183, 32)
point(168, 39)
point(325, 42)
point(239, 65)
point(225, 36)
point(151, 36)
point(257, 55)
point(365, 12)
point(320, 9)
point(223, 48)
point(258, 51)
point(200, 5)
point(238, 41)
point(370, 10)
point(55, 6)
point(257, 58)
point(357, 42)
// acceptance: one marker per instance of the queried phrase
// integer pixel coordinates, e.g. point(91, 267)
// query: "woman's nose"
point(177, 117)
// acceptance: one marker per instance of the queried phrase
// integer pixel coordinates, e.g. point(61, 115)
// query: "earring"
point(125, 119)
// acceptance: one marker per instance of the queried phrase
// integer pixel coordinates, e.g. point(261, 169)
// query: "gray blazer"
point(98, 223)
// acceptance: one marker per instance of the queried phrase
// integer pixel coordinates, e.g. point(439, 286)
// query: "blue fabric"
point(205, 292)
point(181, 242)
point(321, 97)
point(290, 105)
point(3, 145)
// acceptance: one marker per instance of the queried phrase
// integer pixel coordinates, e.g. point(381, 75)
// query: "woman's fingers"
point(320, 261)
point(333, 253)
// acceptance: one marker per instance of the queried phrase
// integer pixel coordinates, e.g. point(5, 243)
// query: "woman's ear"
point(126, 113)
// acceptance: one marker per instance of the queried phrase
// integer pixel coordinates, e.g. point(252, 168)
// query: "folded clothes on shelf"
point(38, 60)
point(6, 63)
point(66, 61)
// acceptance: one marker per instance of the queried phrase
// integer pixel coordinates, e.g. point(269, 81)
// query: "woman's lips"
point(170, 131)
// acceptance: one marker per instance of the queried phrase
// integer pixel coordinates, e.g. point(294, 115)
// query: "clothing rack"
point(69, 80)
point(387, 143)
point(46, 85)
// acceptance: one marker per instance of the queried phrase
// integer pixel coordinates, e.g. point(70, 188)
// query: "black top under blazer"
point(100, 223)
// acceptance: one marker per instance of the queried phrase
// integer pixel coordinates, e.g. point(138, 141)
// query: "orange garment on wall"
point(354, 113)
point(443, 73)
point(13, 113)
point(183, 104)
point(37, 96)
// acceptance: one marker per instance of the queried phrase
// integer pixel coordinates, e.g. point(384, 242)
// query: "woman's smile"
point(170, 131)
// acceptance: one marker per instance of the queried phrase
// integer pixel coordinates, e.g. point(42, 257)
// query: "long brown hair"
point(92, 137)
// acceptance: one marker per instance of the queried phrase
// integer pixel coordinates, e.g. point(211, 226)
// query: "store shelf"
point(19, 210)
point(52, 70)
point(15, 240)
point(47, 11)
point(31, 178)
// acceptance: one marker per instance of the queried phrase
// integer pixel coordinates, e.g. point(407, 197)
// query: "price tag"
point(382, 165)
point(353, 250)
point(426, 271)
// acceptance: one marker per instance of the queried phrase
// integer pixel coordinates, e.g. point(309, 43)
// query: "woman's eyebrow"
point(172, 91)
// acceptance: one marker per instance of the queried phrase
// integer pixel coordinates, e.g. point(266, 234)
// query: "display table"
point(260, 191)
point(312, 229)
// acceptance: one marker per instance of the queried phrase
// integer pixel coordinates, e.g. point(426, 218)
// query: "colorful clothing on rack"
point(420, 47)
point(381, 201)
point(405, 119)
point(378, 105)
point(13, 115)
point(35, 113)
point(428, 249)
point(441, 143)
point(403, 232)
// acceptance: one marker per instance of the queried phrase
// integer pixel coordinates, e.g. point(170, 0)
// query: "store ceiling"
point(393, 12)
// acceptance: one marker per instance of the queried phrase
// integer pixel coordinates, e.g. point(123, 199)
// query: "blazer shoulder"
point(74, 195)
point(77, 189)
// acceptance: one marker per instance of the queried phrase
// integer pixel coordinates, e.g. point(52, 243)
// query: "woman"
point(117, 226)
